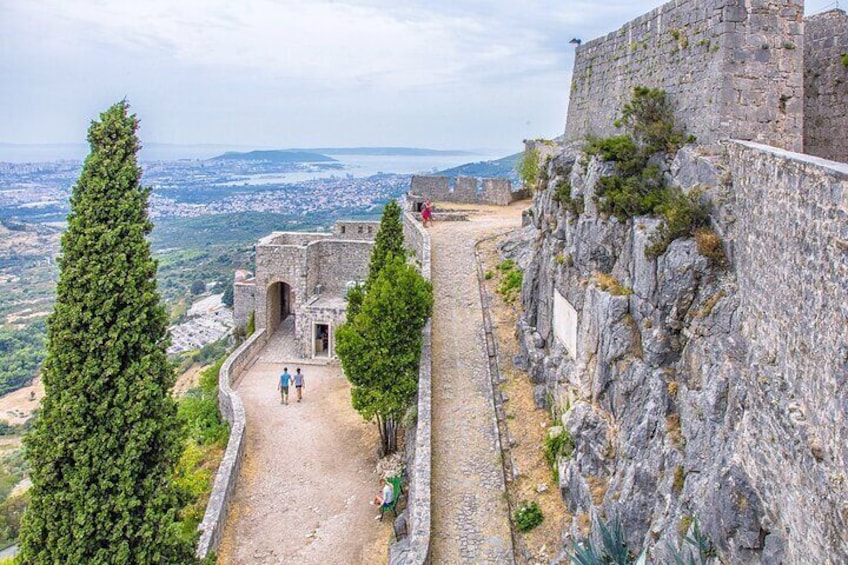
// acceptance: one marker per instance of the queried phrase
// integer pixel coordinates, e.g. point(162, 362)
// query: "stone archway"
point(280, 304)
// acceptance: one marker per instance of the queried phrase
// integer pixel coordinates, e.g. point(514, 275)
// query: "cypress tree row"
point(107, 439)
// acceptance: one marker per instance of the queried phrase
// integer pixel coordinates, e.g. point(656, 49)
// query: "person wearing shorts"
point(283, 386)
point(298, 383)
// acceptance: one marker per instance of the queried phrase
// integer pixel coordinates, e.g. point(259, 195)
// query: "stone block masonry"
point(731, 68)
point(791, 247)
point(231, 408)
point(826, 85)
point(415, 548)
point(466, 190)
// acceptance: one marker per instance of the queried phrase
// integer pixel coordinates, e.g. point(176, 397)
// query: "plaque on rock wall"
point(565, 323)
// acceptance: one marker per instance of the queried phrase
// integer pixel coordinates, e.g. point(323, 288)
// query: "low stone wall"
point(229, 403)
point(466, 190)
point(415, 548)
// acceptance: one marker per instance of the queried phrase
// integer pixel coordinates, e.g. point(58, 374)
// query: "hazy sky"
point(288, 73)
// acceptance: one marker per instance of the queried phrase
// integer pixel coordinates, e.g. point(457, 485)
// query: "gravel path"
point(470, 514)
point(308, 474)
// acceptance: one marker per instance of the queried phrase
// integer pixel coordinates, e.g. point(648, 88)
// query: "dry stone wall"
point(731, 68)
point(826, 85)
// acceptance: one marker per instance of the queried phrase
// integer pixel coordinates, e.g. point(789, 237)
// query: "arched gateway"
point(300, 279)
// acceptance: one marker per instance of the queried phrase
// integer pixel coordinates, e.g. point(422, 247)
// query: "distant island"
point(275, 156)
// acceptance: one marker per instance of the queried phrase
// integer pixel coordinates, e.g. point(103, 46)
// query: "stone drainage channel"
point(501, 430)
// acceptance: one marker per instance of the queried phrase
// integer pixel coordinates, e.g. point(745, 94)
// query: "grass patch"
point(205, 438)
point(528, 516)
point(608, 283)
point(510, 280)
point(556, 446)
point(710, 246)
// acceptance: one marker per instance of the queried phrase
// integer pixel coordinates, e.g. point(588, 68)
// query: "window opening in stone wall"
point(322, 340)
point(359, 230)
point(451, 184)
point(343, 228)
point(369, 229)
point(479, 186)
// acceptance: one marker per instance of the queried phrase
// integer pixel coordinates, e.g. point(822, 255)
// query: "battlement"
point(466, 190)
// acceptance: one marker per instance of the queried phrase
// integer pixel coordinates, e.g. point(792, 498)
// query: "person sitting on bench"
point(385, 498)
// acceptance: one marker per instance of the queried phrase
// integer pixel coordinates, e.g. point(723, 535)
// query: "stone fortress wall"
point(313, 265)
point(757, 354)
point(826, 85)
point(733, 69)
point(791, 264)
point(466, 190)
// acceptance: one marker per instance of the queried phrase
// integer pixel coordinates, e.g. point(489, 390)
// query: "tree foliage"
point(380, 347)
point(21, 354)
point(389, 241)
point(105, 445)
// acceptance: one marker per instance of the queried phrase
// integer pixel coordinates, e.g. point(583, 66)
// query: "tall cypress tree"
point(389, 241)
point(107, 439)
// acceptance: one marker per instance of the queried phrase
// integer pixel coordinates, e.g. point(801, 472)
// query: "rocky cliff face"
point(658, 392)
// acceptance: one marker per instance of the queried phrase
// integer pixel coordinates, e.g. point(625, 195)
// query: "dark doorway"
point(322, 340)
point(280, 304)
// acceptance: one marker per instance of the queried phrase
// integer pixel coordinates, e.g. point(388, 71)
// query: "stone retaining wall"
point(732, 69)
point(415, 548)
point(791, 256)
point(231, 408)
point(826, 85)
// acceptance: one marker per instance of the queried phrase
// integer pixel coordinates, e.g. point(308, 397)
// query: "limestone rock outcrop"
point(665, 396)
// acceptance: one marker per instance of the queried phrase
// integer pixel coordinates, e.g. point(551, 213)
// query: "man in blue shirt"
point(283, 386)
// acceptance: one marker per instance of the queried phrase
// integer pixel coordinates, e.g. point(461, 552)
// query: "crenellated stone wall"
point(826, 85)
point(466, 190)
point(731, 68)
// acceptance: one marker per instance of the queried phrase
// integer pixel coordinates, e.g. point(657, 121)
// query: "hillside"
point(275, 156)
point(503, 167)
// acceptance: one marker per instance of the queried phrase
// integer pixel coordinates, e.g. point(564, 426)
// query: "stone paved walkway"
point(307, 476)
point(470, 515)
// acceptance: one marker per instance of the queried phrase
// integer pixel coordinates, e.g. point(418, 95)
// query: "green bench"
point(397, 490)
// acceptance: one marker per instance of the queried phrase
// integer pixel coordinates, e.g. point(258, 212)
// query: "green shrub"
point(506, 265)
point(510, 285)
point(683, 214)
point(649, 117)
point(844, 58)
point(528, 168)
point(627, 196)
point(251, 325)
point(528, 516)
point(619, 148)
point(488, 275)
point(555, 446)
point(612, 549)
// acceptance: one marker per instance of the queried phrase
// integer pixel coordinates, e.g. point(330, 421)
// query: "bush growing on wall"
point(529, 168)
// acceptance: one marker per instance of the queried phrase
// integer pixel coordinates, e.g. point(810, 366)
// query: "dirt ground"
point(307, 478)
point(17, 407)
point(526, 424)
